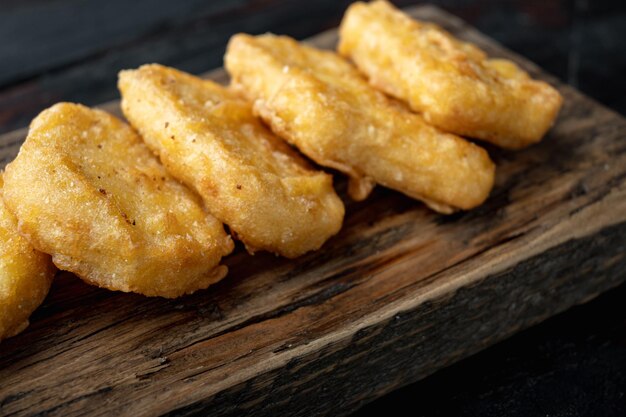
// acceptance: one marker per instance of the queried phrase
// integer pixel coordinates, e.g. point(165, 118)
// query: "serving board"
point(398, 294)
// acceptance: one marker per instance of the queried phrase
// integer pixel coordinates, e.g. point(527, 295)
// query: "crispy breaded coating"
point(25, 276)
point(87, 190)
point(319, 102)
point(207, 137)
point(452, 83)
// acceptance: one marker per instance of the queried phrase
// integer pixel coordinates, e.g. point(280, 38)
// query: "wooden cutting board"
point(398, 294)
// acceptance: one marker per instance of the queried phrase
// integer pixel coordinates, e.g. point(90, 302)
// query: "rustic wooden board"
point(398, 294)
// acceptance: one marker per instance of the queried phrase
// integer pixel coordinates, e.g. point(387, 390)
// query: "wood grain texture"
point(398, 294)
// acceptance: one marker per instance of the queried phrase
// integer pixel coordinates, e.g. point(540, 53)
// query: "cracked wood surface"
point(398, 294)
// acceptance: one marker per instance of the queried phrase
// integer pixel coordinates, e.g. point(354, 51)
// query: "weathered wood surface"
point(398, 294)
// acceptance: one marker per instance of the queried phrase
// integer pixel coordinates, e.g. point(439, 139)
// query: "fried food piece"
point(319, 102)
point(251, 180)
point(87, 190)
point(452, 83)
point(25, 276)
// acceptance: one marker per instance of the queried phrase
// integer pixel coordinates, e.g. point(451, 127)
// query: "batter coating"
point(320, 103)
point(207, 136)
point(452, 83)
point(87, 190)
point(25, 276)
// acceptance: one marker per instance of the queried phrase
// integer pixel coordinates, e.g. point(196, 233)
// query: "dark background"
point(571, 365)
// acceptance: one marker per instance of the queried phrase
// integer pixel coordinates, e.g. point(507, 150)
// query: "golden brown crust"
point(251, 180)
point(86, 190)
point(452, 83)
point(25, 276)
point(319, 102)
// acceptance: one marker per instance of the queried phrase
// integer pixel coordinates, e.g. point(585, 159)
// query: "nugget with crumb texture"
point(451, 83)
point(88, 191)
point(319, 102)
point(25, 276)
point(208, 137)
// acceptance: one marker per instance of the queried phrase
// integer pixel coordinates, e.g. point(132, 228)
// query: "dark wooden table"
point(574, 364)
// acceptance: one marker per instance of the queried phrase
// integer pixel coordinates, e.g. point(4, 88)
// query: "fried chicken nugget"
point(207, 137)
point(25, 276)
point(320, 103)
point(87, 190)
point(450, 82)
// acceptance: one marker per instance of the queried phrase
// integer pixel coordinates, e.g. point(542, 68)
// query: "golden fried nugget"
point(87, 190)
point(319, 102)
point(25, 276)
point(207, 137)
point(451, 83)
